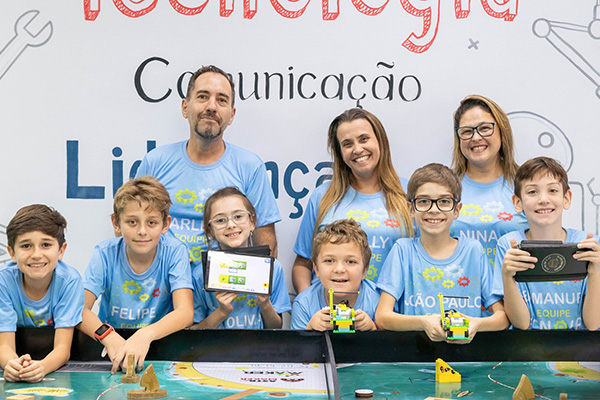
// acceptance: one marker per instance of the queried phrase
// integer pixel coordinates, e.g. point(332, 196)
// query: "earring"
point(250, 239)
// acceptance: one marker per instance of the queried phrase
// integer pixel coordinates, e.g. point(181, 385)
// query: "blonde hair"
point(143, 189)
point(506, 153)
point(395, 197)
point(340, 232)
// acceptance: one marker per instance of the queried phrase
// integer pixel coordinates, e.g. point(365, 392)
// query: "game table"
point(271, 364)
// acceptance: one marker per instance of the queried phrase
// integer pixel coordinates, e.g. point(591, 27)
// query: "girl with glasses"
point(230, 219)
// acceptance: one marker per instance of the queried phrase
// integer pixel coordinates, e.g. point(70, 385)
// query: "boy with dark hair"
point(37, 289)
point(144, 277)
point(418, 269)
point(542, 193)
point(341, 257)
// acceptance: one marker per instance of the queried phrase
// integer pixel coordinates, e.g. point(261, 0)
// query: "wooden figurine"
point(151, 387)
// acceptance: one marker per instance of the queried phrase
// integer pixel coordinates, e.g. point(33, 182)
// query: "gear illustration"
point(464, 281)
point(357, 215)
point(486, 218)
point(560, 324)
point(29, 313)
point(40, 322)
point(241, 298)
point(252, 302)
point(504, 216)
point(433, 274)
point(371, 273)
point(127, 287)
point(148, 284)
point(186, 196)
point(470, 210)
point(448, 284)
point(144, 297)
point(558, 282)
point(50, 322)
point(373, 224)
point(392, 223)
point(199, 207)
point(196, 253)
point(156, 292)
point(493, 207)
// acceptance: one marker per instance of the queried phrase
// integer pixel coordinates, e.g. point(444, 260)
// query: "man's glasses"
point(238, 218)
point(423, 204)
point(484, 129)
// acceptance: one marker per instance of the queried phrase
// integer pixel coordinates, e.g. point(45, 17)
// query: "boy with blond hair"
point(341, 257)
point(418, 269)
point(37, 289)
point(542, 192)
point(144, 277)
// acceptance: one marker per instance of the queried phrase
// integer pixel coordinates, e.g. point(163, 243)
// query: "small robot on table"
point(342, 316)
point(453, 322)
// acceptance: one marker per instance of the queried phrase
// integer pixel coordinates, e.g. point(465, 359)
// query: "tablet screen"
point(241, 273)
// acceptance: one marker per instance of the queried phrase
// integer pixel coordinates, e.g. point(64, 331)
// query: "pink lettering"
point(423, 9)
point(506, 9)
point(462, 8)
point(181, 9)
point(290, 8)
point(363, 7)
point(137, 9)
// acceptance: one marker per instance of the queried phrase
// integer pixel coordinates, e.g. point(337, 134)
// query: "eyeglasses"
point(240, 217)
point(484, 129)
point(423, 204)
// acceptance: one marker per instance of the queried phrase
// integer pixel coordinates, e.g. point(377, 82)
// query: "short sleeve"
point(180, 273)
point(303, 245)
point(390, 278)
point(68, 308)
point(280, 299)
point(259, 192)
point(200, 306)
point(300, 314)
point(8, 313)
point(94, 278)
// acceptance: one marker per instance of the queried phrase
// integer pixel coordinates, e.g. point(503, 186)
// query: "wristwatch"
point(103, 331)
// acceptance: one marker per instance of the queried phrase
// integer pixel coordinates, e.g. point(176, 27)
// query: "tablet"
point(239, 272)
point(555, 262)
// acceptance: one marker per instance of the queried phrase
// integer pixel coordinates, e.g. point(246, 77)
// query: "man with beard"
point(194, 169)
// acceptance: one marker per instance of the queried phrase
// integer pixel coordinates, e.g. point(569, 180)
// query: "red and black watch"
point(103, 331)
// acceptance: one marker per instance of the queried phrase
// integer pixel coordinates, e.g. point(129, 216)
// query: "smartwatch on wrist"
point(103, 331)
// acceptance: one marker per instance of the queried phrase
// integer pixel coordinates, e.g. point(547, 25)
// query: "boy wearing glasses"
point(143, 276)
point(418, 269)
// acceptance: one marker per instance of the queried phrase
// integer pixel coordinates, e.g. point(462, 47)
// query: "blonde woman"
point(484, 159)
point(364, 187)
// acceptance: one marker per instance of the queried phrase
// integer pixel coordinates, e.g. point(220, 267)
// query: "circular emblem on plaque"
point(553, 263)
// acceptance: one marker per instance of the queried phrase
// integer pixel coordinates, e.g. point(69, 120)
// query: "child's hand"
point(591, 253)
point(363, 322)
point(225, 299)
point(263, 300)
point(432, 325)
point(515, 260)
point(35, 371)
point(320, 321)
point(13, 368)
point(138, 345)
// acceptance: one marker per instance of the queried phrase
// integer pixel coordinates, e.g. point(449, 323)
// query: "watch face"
point(102, 330)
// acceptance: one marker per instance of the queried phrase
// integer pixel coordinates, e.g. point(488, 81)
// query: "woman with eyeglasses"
point(364, 187)
point(484, 159)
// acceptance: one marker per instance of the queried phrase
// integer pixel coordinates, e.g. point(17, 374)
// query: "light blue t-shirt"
point(246, 312)
point(487, 213)
point(61, 307)
point(369, 210)
point(131, 300)
point(190, 184)
point(311, 300)
point(552, 305)
point(415, 279)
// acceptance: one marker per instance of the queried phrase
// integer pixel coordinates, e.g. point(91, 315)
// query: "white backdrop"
point(82, 101)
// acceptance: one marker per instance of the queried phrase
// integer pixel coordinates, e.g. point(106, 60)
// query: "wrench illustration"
point(23, 38)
